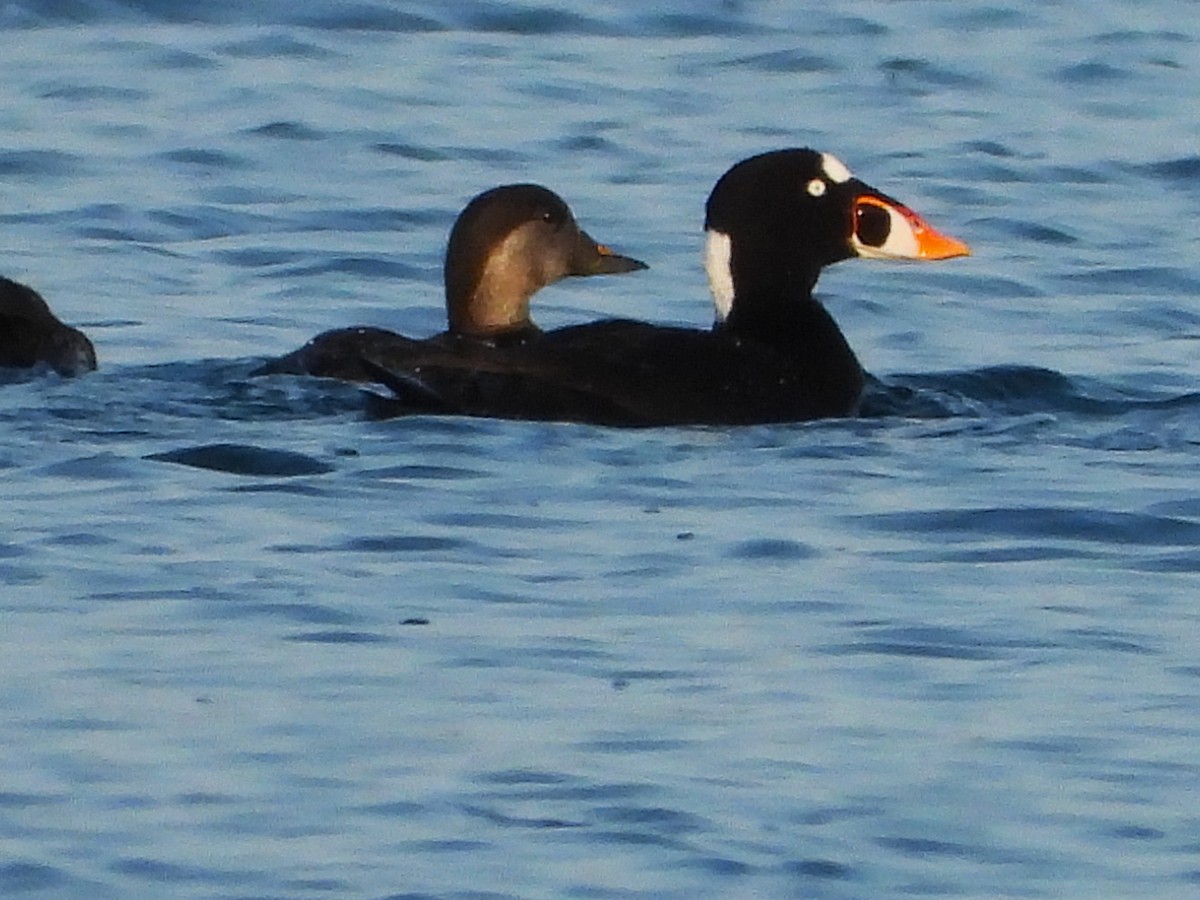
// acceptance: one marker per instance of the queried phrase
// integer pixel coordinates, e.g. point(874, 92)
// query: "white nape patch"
point(718, 257)
point(816, 187)
point(835, 170)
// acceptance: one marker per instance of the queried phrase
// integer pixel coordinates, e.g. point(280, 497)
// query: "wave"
point(1009, 391)
point(471, 15)
point(364, 15)
point(176, 394)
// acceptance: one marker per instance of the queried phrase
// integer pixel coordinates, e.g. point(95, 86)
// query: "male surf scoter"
point(507, 244)
point(31, 335)
point(774, 353)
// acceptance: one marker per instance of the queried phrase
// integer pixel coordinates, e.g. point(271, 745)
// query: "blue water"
point(256, 646)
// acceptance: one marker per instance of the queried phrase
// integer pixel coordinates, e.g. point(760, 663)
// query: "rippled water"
point(258, 646)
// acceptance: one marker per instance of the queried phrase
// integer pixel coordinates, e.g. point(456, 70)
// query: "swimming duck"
point(507, 244)
point(30, 334)
point(774, 354)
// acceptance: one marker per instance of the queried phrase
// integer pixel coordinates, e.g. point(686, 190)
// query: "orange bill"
point(887, 229)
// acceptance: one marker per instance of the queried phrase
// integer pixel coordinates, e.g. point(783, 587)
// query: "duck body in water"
point(774, 354)
point(507, 244)
point(31, 335)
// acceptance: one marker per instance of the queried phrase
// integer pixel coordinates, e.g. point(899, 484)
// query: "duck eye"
point(872, 224)
point(816, 188)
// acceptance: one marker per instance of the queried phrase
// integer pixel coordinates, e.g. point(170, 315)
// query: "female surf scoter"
point(774, 353)
point(507, 244)
point(30, 334)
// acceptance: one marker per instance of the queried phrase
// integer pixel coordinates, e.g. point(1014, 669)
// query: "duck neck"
point(777, 308)
point(498, 305)
point(766, 294)
point(787, 319)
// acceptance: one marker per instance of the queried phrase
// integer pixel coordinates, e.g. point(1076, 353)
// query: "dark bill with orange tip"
point(592, 258)
point(887, 229)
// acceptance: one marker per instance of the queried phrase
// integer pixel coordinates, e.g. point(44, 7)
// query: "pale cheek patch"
point(835, 170)
point(718, 257)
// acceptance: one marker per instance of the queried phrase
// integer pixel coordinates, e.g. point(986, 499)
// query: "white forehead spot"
point(835, 170)
point(816, 187)
point(718, 255)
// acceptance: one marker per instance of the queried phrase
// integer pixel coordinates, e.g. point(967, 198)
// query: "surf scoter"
point(507, 244)
point(30, 334)
point(774, 353)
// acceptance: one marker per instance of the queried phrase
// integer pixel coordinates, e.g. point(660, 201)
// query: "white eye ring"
point(816, 188)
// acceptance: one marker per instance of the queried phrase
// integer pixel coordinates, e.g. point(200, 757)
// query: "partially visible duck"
point(506, 245)
point(30, 334)
point(774, 353)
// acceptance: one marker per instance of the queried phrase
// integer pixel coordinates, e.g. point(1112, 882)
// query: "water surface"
point(258, 646)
